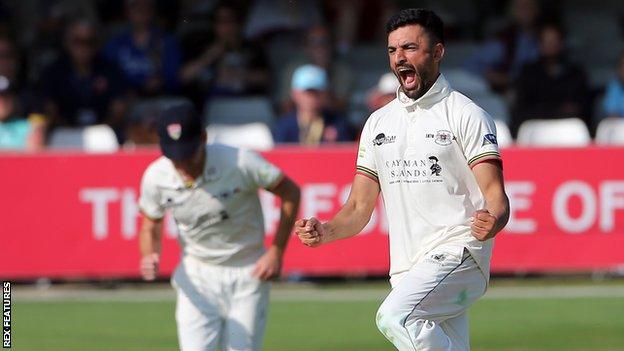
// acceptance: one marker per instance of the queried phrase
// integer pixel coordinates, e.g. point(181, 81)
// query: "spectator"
point(383, 93)
point(17, 132)
point(500, 60)
point(229, 65)
point(613, 103)
point(551, 87)
point(310, 123)
point(149, 57)
point(82, 88)
point(319, 51)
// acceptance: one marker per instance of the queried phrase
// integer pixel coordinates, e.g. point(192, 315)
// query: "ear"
point(438, 52)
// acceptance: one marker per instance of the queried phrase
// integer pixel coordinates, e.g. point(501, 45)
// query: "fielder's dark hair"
point(427, 19)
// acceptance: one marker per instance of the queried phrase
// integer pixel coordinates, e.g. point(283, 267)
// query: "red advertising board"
point(74, 215)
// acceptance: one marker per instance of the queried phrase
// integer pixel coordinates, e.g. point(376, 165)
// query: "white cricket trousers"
point(426, 309)
point(219, 306)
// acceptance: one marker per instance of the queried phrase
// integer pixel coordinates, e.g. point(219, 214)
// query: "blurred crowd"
point(309, 71)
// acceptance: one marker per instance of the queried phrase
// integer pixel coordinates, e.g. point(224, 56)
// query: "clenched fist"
point(483, 224)
point(310, 231)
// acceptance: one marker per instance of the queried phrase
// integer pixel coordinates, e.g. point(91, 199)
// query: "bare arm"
point(150, 244)
point(269, 265)
point(491, 220)
point(349, 221)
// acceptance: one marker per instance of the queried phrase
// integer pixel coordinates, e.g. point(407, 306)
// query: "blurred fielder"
point(212, 191)
point(433, 154)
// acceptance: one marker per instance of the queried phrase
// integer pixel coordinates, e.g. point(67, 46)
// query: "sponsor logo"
point(444, 137)
point(489, 139)
point(435, 168)
point(418, 171)
point(381, 138)
point(174, 130)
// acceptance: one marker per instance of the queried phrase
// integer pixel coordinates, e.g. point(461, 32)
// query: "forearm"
point(349, 221)
point(288, 212)
point(499, 208)
point(149, 239)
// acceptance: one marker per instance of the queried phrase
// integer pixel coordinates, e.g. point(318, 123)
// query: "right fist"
point(310, 232)
point(149, 266)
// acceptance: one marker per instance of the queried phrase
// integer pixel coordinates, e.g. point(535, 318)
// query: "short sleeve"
point(365, 164)
point(478, 133)
point(149, 201)
point(260, 172)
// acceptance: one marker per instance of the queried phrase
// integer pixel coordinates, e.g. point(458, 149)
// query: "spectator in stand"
point(500, 60)
point(17, 133)
point(552, 87)
point(229, 65)
point(82, 88)
point(319, 51)
point(613, 103)
point(383, 93)
point(310, 123)
point(149, 57)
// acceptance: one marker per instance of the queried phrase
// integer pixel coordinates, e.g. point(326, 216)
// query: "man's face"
point(308, 100)
point(81, 43)
point(551, 43)
point(191, 165)
point(413, 59)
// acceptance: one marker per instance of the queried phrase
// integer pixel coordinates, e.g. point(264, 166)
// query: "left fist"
point(483, 224)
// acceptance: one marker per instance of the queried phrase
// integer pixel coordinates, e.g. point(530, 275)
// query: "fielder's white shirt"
point(421, 153)
point(219, 218)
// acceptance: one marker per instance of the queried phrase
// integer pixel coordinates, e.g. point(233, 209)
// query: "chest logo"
point(444, 137)
point(435, 168)
point(381, 138)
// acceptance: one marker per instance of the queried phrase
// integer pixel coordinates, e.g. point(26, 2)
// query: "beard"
point(421, 76)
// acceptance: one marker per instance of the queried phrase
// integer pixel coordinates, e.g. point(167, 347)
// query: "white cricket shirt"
point(421, 153)
point(219, 218)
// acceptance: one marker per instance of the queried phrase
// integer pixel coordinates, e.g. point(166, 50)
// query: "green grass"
point(595, 324)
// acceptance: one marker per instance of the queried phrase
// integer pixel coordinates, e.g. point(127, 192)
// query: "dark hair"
point(427, 19)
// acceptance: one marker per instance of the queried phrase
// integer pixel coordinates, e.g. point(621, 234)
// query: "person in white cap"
point(212, 192)
point(433, 154)
point(383, 92)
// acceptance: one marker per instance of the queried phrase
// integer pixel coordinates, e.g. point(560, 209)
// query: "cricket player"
point(433, 154)
point(212, 191)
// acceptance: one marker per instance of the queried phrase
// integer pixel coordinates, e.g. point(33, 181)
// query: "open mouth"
point(408, 77)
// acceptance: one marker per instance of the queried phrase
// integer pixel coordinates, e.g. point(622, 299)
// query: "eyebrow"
point(411, 43)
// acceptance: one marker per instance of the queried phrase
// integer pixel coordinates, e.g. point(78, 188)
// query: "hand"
point(269, 265)
point(310, 231)
point(149, 266)
point(483, 225)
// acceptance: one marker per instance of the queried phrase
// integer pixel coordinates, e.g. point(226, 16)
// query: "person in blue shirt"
point(149, 57)
point(310, 123)
point(613, 103)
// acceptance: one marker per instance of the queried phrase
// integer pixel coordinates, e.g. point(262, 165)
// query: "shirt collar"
point(439, 90)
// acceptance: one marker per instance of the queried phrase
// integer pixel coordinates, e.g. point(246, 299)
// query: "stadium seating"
point(567, 132)
point(94, 139)
point(252, 136)
point(610, 132)
point(239, 110)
